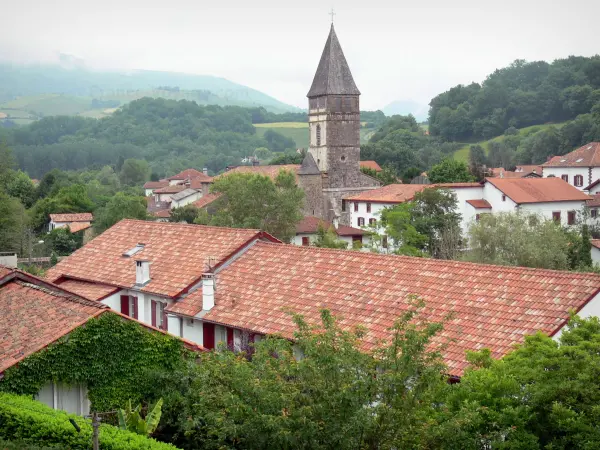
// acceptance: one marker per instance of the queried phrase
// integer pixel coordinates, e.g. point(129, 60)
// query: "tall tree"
point(134, 172)
point(12, 224)
point(256, 201)
point(121, 206)
point(450, 171)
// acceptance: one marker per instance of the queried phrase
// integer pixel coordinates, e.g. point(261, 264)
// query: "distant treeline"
point(521, 95)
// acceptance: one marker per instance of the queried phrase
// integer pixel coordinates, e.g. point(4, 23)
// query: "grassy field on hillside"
point(462, 154)
point(298, 131)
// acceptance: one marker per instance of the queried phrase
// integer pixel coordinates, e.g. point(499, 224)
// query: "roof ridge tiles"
point(212, 227)
point(442, 262)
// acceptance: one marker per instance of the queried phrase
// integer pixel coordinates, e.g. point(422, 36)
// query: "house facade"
point(307, 232)
point(75, 222)
point(580, 168)
point(551, 198)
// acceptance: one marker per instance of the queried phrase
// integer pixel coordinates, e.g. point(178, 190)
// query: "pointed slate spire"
point(309, 166)
point(333, 74)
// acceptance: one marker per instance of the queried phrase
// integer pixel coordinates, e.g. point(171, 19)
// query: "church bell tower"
point(334, 117)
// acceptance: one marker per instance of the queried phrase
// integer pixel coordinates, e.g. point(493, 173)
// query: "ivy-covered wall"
point(113, 356)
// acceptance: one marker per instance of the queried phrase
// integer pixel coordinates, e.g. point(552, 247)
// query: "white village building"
point(580, 168)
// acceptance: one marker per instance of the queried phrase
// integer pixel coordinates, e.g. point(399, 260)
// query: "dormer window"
point(132, 251)
point(318, 135)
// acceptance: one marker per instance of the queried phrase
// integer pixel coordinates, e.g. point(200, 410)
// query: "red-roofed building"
point(308, 228)
point(75, 222)
point(579, 168)
point(370, 165)
point(493, 306)
point(140, 268)
point(36, 314)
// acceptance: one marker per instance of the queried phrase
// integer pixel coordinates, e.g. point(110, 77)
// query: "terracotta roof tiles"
point(186, 174)
point(174, 189)
point(206, 200)
point(494, 306)
point(399, 193)
point(93, 291)
point(74, 227)
point(587, 155)
point(77, 217)
point(155, 184)
point(370, 165)
point(480, 203)
point(593, 201)
point(178, 254)
point(537, 190)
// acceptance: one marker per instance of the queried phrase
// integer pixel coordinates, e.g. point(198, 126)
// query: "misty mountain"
point(72, 79)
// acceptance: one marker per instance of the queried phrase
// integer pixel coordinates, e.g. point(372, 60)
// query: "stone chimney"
point(142, 272)
point(336, 222)
point(205, 171)
point(208, 291)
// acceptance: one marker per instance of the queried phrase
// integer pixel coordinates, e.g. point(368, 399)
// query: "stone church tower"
point(331, 169)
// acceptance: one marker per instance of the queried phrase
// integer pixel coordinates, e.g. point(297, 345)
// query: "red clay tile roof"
point(595, 243)
point(205, 200)
point(593, 185)
point(370, 165)
point(594, 200)
point(178, 254)
point(155, 184)
point(170, 189)
point(78, 217)
point(74, 227)
point(185, 174)
point(163, 213)
point(310, 225)
point(587, 155)
point(392, 193)
point(494, 306)
point(196, 182)
point(93, 291)
point(537, 190)
point(399, 193)
point(35, 314)
point(530, 169)
point(269, 171)
point(189, 306)
point(479, 203)
point(5, 271)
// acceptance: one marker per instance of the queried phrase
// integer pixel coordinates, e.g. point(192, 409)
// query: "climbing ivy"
point(116, 358)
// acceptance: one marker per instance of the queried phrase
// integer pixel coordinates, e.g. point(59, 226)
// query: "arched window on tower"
point(318, 135)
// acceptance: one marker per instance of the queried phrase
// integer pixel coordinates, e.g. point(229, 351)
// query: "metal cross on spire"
point(332, 13)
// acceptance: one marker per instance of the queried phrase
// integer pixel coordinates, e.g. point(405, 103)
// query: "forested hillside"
point(170, 135)
point(521, 95)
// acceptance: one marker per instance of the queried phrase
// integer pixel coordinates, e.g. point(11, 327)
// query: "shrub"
point(33, 422)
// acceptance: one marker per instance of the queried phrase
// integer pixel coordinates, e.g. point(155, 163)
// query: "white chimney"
point(142, 272)
point(205, 171)
point(208, 291)
point(336, 222)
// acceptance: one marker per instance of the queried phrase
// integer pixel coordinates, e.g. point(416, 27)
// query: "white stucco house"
point(185, 197)
point(580, 168)
point(551, 198)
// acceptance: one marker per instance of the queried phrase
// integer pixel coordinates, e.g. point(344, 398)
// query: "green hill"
point(298, 131)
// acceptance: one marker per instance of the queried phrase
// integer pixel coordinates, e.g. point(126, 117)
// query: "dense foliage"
point(256, 201)
point(113, 357)
point(450, 171)
point(32, 422)
point(523, 94)
point(170, 135)
point(516, 239)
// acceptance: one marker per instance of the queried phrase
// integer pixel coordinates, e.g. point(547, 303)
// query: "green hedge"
point(22, 418)
point(22, 445)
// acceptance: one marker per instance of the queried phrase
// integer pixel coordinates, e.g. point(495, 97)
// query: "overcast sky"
point(397, 50)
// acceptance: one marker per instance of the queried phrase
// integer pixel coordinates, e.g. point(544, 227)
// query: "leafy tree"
point(542, 395)
point(477, 161)
point(134, 172)
point(21, 187)
point(121, 206)
point(187, 213)
point(409, 174)
point(12, 224)
point(450, 171)
point(62, 242)
point(336, 396)
point(277, 142)
point(263, 154)
point(387, 175)
point(255, 201)
point(516, 239)
point(328, 238)
point(7, 163)
point(287, 158)
point(400, 235)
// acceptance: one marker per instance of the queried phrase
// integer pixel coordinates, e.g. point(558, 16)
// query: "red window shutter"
point(556, 216)
point(125, 304)
point(153, 312)
point(355, 206)
point(230, 338)
point(305, 241)
point(571, 217)
point(208, 334)
point(135, 308)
